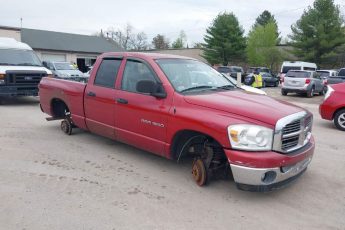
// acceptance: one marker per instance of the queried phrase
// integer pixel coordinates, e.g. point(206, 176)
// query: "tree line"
point(318, 36)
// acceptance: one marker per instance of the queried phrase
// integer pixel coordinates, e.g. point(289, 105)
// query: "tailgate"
point(294, 82)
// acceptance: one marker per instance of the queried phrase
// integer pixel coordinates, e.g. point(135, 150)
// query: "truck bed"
point(70, 92)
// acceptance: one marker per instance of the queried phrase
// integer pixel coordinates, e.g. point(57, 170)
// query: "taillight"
point(307, 81)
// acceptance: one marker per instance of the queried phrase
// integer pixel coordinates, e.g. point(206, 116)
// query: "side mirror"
point(152, 88)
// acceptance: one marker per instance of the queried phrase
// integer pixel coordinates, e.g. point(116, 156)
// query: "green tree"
point(180, 41)
point(160, 42)
point(264, 18)
point(224, 40)
point(319, 31)
point(261, 45)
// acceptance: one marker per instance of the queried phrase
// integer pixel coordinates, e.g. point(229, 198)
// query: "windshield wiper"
point(226, 87)
point(198, 87)
point(4, 63)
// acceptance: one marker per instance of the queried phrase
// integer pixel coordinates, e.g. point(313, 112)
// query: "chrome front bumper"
point(267, 179)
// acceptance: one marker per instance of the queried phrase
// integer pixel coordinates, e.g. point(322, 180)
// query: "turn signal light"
point(2, 76)
point(50, 75)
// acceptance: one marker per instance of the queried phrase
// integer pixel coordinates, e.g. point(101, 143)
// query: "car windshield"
point(236, 69)
point(63, 66)
point(323, 73)
point(189, 75)
point(298, 74)
point(287, 68)
point(224, 69)
point(19, 57)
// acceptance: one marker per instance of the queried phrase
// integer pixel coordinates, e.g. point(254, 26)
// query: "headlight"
point(330, 90)
point(250, 137)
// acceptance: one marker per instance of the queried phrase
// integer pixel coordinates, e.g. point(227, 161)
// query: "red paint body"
point(209, 113)
point(334, 102)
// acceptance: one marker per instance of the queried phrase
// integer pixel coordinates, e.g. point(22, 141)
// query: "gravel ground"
point(49, 180)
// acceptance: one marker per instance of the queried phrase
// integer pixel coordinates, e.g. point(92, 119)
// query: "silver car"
point(306, 82)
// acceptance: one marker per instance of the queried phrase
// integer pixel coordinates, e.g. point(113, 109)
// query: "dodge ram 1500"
point(177, 107)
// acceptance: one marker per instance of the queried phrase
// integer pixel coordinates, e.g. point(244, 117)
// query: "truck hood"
point(259, 107)
point(4, 68)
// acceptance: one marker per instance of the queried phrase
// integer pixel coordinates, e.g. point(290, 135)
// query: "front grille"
point(292, 132)
point(292, 127)
point(22, 78)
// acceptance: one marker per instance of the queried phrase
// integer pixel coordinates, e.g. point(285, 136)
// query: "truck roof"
point(10, 43)
point(144, 55)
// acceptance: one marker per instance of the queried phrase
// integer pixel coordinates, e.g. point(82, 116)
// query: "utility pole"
point(21, 22)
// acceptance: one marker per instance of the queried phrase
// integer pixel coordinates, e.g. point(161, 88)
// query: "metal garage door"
point(53, 57)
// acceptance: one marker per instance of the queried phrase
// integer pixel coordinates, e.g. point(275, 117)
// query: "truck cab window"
point(135, 71)
point(107, 72)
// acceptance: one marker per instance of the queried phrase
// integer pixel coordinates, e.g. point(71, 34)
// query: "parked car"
point(269, 80)
point(246, 87)
point(296, 65)
point(337, 79)
point(251, 70)
point(64, 70)
point(306, 82)
point(333, 106)
point(231, 71)
point(20, 69)
point(176, 107)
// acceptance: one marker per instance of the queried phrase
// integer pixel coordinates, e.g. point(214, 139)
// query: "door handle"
point(121, 101)
point(91, 94)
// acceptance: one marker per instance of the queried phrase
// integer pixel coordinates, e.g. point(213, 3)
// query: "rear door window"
point(298, 74)
point(107, 72)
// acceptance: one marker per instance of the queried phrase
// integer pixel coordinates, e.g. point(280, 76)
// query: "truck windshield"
point(298, 74)
point(192, 75)
point(19, 57)
point(287, 68)
point(63, 66)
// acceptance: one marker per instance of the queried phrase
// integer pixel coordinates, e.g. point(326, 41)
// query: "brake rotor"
point(199, 172)
point(66, 127)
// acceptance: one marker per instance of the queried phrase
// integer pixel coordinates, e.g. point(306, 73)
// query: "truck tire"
point(339, 120)
point(284, 93)
point(311, 92)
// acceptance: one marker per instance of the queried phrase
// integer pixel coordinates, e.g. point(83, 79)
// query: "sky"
point(151, 16)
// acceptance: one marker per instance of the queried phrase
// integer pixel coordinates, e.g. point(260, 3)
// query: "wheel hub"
point(341, 120)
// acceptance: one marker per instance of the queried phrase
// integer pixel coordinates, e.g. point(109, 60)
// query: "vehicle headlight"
point(330, 90)
point(250, 137)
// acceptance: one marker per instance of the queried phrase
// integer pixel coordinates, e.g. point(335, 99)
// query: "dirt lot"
point(52, 181)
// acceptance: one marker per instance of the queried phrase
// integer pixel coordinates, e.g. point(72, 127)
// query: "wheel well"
point(59, 108)
point(186, 138)
point(335, 112)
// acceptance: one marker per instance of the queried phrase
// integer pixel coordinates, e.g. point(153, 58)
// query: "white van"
point(20, 69)
point(296, 65)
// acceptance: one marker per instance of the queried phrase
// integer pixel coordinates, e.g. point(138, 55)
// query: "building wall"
point(8, 33)
point(69, 57)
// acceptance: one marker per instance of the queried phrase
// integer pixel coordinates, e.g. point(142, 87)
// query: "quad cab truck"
point(178, 107)
point(20, 69)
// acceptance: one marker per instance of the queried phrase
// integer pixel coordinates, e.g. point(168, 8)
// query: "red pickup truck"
point(179, 107)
